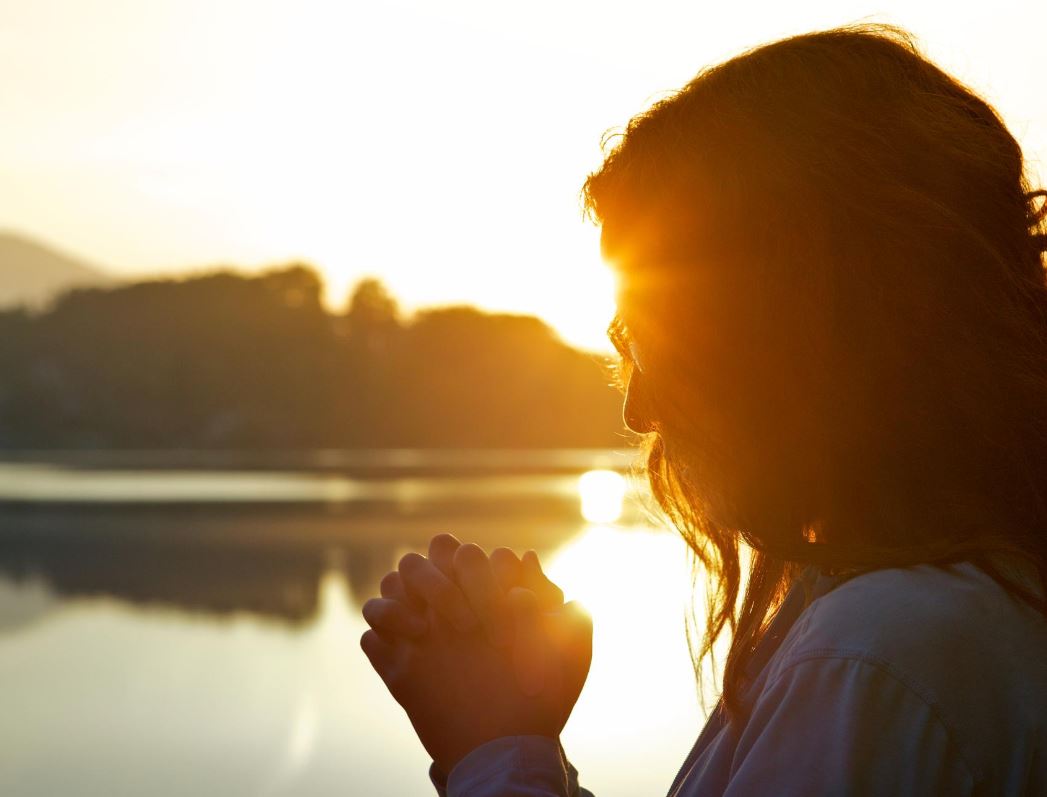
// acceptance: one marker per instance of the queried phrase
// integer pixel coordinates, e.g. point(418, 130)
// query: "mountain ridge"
point(33, 272)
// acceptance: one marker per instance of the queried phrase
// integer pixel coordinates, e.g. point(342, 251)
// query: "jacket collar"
point(811, 585)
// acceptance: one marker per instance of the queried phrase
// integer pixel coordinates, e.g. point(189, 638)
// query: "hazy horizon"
point(51, 270)
point(438, 147)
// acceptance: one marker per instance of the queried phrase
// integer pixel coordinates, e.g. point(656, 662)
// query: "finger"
point(533, 578)
point(389, 660)
point(379, 652)
point(529, 648)
point(441, 552)
point(392, 587)
point(424, 580)
point(473, 573)
point(507, 568)
point(391, 618)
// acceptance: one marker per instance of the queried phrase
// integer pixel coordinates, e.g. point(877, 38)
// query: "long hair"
point(831, 258)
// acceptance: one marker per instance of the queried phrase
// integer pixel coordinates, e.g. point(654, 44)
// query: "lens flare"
point(602, 493)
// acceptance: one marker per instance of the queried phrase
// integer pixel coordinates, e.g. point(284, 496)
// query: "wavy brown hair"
point(831, 259)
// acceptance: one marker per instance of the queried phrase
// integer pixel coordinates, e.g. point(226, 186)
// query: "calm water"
point(176, 632)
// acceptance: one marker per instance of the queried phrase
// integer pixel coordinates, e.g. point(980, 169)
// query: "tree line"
point(226, 360)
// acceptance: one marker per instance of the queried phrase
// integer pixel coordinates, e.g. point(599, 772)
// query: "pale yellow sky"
point(440, 146)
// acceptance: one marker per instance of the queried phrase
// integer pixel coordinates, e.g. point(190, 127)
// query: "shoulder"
point(840, 724)
point(948, 639)
point(914, 616)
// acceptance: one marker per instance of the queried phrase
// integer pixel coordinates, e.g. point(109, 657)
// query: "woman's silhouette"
point(832, 320)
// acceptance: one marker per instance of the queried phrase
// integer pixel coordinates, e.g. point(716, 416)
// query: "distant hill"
point(32, 273)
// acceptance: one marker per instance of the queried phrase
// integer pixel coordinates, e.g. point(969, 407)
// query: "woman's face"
point(636, 409)
point(633, 410)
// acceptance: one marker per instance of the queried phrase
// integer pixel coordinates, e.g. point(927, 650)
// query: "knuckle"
point(522, 599)
point(444, 540)
point(446, 594)
point(373, 610)
point(504, 554)
point(505, 562)
point(410, 563)
point(469, 555)
point(390, 583)
point(368, 641)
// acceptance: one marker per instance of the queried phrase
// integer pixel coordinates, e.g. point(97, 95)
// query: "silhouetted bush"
point(232, 361)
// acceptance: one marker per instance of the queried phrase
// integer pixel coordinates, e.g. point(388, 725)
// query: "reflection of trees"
point(232, 361)
point(365, 564)
point(263, 560)
point(24, 603)
point(213, 578)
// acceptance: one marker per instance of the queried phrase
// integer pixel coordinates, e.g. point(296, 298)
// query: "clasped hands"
point(475, 648)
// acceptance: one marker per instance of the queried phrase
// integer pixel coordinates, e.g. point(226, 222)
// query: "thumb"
point(572, 636)
point(530, 660)
point(549, 595)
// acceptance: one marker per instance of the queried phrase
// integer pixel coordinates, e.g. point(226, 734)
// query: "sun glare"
point(602, 494)
point(635, 583)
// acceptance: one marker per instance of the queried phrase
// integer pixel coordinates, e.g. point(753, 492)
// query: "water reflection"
point(134, 701)
point(24, 603)
point(260, 562)
point(195, 647)
point(166, 543)
point(215, 579)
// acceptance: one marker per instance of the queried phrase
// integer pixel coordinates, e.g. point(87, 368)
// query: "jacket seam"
point(889, 669)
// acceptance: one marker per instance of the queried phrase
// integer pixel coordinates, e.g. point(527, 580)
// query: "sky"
point(440, 146)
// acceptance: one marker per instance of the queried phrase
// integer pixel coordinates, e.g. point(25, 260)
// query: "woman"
point(833, 328)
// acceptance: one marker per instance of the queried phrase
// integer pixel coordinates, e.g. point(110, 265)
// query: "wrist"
point(450, 756)
point(507, 760)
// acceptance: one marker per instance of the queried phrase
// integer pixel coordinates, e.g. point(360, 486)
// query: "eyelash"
point(616, 334)
point(619, 338)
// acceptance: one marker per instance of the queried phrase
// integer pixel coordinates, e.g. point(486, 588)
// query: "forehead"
point(645, 253)
point(651, 287)
point(668, 272)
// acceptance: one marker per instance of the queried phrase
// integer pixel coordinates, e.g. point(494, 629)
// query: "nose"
point(636, 411)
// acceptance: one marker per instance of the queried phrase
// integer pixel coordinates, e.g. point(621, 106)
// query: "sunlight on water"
point(602, 493)
point(604, 567)
point(638, 713)
point(300, 744)
point(334, 632)
point(336, 614)
point(132, 700)
point(202, 684)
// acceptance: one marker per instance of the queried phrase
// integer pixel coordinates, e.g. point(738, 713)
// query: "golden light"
point(602, 493)
point(635, 583)
point(348, 135)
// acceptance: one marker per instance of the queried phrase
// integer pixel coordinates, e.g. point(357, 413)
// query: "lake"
point(182, 624)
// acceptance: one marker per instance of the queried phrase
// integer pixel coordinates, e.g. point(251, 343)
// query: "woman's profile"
point(832, 327)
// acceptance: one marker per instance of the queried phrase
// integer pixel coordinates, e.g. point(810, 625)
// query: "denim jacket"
point(924, 680)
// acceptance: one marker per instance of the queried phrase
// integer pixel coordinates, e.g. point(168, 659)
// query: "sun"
point(602, 494)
